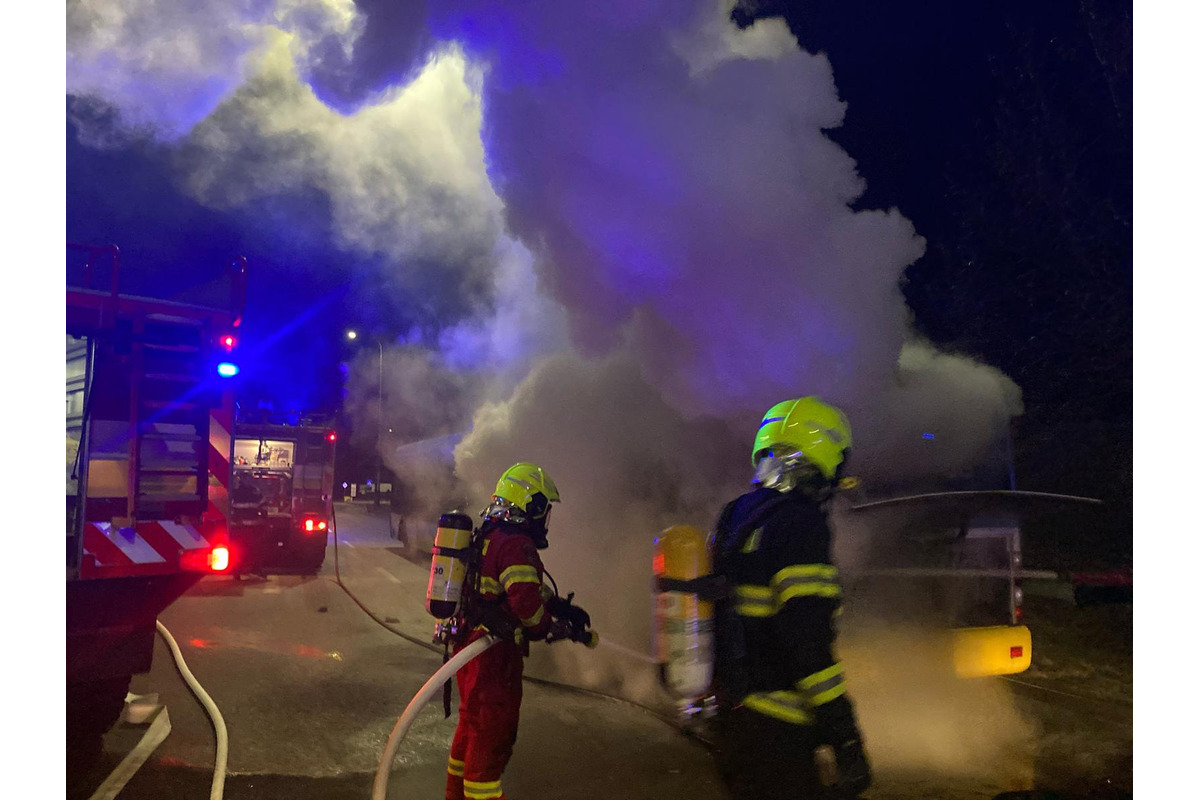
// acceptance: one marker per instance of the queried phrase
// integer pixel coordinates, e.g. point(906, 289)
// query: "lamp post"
point(352, 335)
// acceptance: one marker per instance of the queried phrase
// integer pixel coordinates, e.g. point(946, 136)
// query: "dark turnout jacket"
point(775, 629)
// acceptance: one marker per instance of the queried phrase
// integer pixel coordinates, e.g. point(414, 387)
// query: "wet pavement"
point(310, 686)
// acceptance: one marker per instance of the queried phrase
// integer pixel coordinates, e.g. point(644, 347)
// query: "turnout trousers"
point(489, 710)
point(762, 758)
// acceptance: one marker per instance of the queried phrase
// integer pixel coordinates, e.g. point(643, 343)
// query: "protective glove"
point(570, 622)
point(561, 631)
point(497, 622)
point(561, 609)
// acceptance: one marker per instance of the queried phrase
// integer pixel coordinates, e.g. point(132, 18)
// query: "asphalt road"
point(310, 686)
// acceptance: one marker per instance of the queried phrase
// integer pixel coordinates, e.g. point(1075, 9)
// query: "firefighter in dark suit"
point(785, 719)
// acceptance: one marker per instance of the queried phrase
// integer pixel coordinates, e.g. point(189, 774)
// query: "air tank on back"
point(448, 568)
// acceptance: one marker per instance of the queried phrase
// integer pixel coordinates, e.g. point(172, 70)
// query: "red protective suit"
point(490, 685)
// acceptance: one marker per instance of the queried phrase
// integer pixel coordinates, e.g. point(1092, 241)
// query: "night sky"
point(1003, 131)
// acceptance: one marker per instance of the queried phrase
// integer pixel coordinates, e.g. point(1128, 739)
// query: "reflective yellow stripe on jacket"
point(800, 580)
point(530, 622)
point(796, 706)
point(753, 601)
point(519, 573)
point(821, 687)
point(490, 586)
point(784, 705)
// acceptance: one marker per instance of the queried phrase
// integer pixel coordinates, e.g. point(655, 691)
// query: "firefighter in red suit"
point(512, 604)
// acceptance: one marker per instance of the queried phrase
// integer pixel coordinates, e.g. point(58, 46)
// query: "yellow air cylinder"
point(448, 569)
point(683, 623)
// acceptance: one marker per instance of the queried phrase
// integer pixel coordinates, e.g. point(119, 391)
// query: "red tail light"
point(309, 525)
point(215, 560)
point(1016, 652)
point(228, 342)
point(331, 436)
point(321, 525)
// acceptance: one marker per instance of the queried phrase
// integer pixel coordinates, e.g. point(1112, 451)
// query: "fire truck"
point(282, 492)
point(149, 415)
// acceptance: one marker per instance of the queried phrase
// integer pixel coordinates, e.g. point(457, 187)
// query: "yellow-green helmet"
point(806, 428)
point(523, 496)
point(523, 493)
point(522, 481)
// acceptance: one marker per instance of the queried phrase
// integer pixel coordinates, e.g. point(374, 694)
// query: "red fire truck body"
point(149, 445)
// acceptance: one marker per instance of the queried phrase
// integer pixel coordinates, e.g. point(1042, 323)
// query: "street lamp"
point(352, 335)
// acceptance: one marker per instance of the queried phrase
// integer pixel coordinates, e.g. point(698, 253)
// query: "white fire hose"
point(431, 687)
point(218, 722)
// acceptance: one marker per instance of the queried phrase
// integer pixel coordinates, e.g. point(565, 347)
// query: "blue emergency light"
point(227, 369)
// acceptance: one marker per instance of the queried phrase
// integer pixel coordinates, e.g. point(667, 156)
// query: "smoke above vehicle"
point(617, 233)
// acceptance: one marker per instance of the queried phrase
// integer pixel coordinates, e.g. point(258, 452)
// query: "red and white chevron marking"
point(152, 548)
point(220, 451)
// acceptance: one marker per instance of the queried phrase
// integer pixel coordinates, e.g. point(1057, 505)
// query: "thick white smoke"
point(672, 175)
point(937, 417)
point(691, 212)
point(166, 65)
point(403, 177)
point(637, 233)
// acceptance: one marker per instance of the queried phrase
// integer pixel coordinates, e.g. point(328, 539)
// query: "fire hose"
point(590, 639)
point(423, 696)
point(218, 722)
point(432, 686)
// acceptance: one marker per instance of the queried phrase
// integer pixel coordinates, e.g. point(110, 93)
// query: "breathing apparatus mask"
point(785, 471)
point(533, 521)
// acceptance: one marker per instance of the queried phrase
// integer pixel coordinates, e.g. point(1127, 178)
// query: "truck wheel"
point(92, 708)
